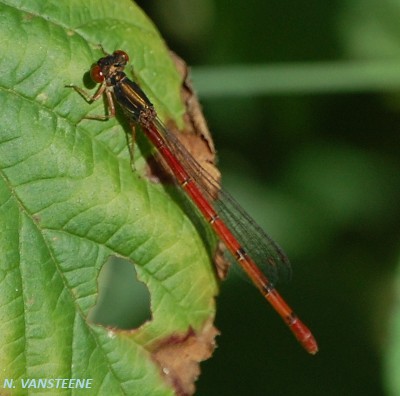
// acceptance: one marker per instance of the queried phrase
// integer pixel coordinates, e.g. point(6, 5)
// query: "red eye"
point(122, 54)
point(96, 74)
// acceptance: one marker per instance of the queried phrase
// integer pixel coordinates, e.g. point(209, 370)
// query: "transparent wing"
point(258, 244)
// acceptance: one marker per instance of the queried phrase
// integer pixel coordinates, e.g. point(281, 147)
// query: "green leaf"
point(69, 200)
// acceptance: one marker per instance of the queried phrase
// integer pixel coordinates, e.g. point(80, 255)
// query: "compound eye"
point(122, 54)
point(96, 74)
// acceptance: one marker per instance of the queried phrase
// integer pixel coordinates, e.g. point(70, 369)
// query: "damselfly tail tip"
point(304, 336)
point(311, 345)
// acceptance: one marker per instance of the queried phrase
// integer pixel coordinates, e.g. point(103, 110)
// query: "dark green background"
point(320, 172)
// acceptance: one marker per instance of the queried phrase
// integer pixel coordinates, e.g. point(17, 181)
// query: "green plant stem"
point(297, 78)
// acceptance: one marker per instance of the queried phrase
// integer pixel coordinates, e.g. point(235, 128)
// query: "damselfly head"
point(109, 65)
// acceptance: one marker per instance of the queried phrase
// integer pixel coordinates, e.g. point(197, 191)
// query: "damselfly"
point(244, 239)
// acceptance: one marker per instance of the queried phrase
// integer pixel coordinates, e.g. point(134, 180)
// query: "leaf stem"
point(298, 78)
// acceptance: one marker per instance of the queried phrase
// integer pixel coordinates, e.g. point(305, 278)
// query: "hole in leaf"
point(123, 301)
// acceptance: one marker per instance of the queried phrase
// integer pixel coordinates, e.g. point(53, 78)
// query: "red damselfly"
point(244, 239)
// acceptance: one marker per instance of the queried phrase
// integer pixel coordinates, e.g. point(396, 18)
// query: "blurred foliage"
point(321, 174)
